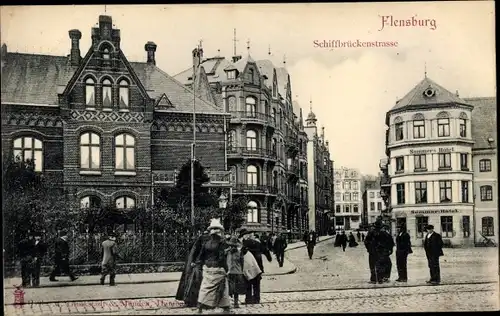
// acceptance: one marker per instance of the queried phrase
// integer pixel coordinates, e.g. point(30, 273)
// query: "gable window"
point(444, 161)
point(445, 191)
point(107, 99)
point(90, 151)
point(419, 129)
point(465, 191)
point(90, 92)
point(443, 127)
point(484, 165)
point(105, 54)
point(231, 136)
point(399, 131)
point(420, 192)
point(251, 107)
point(125, 152)
point(250, 75)
point(463, 128)
point(29, 148)
point(486, 193)
point(400, 164)
point(90, 201)
point(125, 202)
point(252, 179)
point(400, 190)
point(123, 93)
point(231, 74)
point(464, 165)
point(420, 162)
point(253, 212)
point(251, 140)
point(487, 226)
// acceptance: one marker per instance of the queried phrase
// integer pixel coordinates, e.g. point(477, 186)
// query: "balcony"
point(384, 164)
point(256, 153)
point(255, 189)
point(293, 170)
point(217, 178)
point(292, 145)
point(252, 117)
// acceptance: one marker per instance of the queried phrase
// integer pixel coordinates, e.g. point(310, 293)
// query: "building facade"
point(348, 199)
point(484, 165)
point(373, 205)
point(428, 177)
point(107, 130)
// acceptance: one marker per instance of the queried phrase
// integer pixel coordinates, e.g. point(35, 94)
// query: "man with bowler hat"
point(109, 256)
point(61, 258)
point(39, 250)
point(433, 245)
point(403, 249)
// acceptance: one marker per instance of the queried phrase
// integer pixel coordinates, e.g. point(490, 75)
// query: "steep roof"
point(282, 77)
point(38, 79)
point(484, 124)
point(416, 96)
point(266, 68)
point(214, 67)
point(296, 108)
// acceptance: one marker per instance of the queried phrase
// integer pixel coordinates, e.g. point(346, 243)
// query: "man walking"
point(39, 250)
point(370, 244)
point(109, 256)
point(26, 257)
point(343, 240)
point(310, 240)
point(61, 258)
point(433, 245)
point(280, 245)
point(359, 235)
point(403, 249)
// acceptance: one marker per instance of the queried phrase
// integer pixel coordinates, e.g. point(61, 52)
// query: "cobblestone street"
point(332, 281)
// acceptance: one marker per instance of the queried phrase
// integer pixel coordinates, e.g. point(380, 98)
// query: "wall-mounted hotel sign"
point(443, 150)
point(422, 212)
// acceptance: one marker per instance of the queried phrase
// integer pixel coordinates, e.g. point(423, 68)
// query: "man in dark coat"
point(403, 249)
point(109, 256)
point(385, 245)
point(26, 257)
point(370, 244)
point(280, 245)
point(39, 250)
point(433, 245)
point(343, 240)
point(310, 240)
point(359, 235)
point(257, 249)
point(61, 258)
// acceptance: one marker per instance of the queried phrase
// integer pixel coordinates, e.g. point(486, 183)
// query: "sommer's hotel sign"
point(431, 151)
point(423, 212)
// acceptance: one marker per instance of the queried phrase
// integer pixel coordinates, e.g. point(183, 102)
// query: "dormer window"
point(250, 75)
point(231, 74)
point(105, 54)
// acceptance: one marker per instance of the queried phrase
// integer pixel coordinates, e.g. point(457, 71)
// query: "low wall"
point(95, 269)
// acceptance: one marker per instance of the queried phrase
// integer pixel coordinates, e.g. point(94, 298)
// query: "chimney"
point(105, 26)
point(236, 58)
point(150, 47)
point(456, 93)
point(75, 36)
point(196, 58)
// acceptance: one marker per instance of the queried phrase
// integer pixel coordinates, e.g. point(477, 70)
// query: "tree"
point(235, 213)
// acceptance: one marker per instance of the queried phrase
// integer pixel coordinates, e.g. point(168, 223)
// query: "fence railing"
point(170, 176)
point(259, 117)
point(252, 152)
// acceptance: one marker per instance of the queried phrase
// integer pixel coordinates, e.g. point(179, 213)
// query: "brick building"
point(106, 129)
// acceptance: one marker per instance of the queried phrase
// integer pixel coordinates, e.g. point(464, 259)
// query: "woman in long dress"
point(352, 241)
point(191, 277)
point(214, 289)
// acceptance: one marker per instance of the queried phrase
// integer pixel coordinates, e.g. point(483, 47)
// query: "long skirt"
point(214, 289)
point(192, 286)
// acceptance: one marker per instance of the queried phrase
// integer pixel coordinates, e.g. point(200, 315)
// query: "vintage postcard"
point(249, 158)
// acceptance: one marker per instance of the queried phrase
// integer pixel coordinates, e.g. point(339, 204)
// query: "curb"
point(304, 245)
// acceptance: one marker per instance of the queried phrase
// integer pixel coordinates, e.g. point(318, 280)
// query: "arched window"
point(484, 165)
point(90, 201)
point(90, 151)
point(89, 92)
point(253, 212)
point(251, 107)
point(486, 193)
point(250, 75)
point(252, 176)
point(29, 148)
point(123, 93)
point(487, 226)
point(107, 99)
point(105, 54)
point(125, 152)
point(125, 202)
point(231, 139)
point(443, 127)
point(418, 126)
point(251, 140)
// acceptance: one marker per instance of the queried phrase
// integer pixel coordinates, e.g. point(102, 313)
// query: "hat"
point(429, 227)
point(215, 224)
point(377, 224)
point(233, 241)
point(112, 234)
point(244, 232)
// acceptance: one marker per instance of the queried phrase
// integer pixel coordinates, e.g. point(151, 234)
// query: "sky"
point(351, 88)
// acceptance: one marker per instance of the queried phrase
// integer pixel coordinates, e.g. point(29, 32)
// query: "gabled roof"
point(282, 77)
point(214, 67)
point(266, 68)
point(484, 121)
point(416, 97)
point(38, 79)
point(241, 64)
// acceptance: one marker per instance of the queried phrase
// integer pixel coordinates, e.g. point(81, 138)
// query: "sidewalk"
point(300, 244)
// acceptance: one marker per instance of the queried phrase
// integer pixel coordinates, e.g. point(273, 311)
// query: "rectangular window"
point(420, 192)
point(422, 222)
point(372, 195)
point(443, 127)
point(463, 128)
point(419, 129)
point(445, 191)
point(400, 164)
point(337, 208)
point(487, 226)
point(447, 226)
point(486, 192)
point(420, 162)
point(400, 188)
point(372, 206)
point(464, 164)
point(379, 206)
point(465, 191)
point(445, 161)
point(231, 74)
point(466, 225)
point(399, 131)
point(484, 165)
point(356, 209)
point(347, 209)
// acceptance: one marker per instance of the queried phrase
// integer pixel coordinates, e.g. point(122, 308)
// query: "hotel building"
point(347, 199)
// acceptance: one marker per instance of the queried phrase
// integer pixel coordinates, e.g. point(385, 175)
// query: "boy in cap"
point(236, 278)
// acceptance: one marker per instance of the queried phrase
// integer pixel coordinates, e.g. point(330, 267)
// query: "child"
point(237, 281)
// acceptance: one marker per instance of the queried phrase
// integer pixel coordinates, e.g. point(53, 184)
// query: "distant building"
point(347, 198)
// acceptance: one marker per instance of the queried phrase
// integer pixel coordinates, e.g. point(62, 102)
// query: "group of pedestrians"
point(218, 269)
point(342, 240)
point(380, 245)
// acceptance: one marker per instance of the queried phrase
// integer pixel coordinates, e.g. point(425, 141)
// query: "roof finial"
point(269, 50)
point(425, 69)
point(310, 104)
point(284, 60)
point(234, 43)
point(105, 9)
point(248, 46)
point(218, 52)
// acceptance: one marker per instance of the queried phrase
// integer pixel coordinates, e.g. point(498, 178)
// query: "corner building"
point(429, 148)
